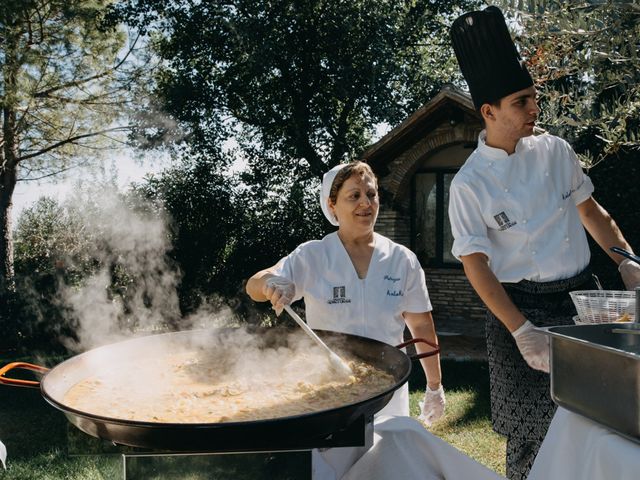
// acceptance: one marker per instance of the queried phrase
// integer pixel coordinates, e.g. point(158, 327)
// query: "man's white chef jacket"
point(520, 209)
point(336, 299)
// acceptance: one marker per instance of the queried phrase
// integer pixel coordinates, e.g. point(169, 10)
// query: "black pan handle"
point(436, 348)
point(624, 253)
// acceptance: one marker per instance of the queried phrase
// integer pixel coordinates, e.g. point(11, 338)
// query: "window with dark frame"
point(431, 237)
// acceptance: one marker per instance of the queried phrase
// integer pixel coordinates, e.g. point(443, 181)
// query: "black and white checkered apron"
point(521, 405)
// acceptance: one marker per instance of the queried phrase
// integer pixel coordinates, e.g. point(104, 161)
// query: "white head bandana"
point(327, 181)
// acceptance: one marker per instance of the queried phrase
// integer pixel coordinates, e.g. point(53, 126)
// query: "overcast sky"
point(126, 167)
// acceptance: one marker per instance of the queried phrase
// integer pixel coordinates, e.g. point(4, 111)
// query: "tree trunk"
point(7, 185)
point(8, 161)
point(8, 179)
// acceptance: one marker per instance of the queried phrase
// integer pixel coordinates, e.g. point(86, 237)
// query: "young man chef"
point(519, 208)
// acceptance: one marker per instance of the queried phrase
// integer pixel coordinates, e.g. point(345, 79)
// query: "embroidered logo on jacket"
point(339, 295)
point(503, 221)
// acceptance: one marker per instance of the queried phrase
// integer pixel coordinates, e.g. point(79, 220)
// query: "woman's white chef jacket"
point(520, 209)
point(336, 299)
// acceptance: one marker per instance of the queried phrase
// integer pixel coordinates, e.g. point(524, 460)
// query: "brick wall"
point(395, 226)
point(402, 167)
point(456, 306)
point(439, 141)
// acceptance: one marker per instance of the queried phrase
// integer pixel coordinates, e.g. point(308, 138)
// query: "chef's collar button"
point(524, 221)
point(506, 190)
point(566, 239)
point(533, 252)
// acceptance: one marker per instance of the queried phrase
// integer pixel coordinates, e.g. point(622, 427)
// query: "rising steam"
point(134, 286)
point(133, 292)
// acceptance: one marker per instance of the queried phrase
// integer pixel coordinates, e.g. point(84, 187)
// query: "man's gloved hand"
point(432, 407)
point(279, 291)
point(534, 346)
point(630, 273)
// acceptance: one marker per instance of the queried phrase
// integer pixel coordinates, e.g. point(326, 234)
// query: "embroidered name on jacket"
point(339, 296)
point(503, 221)
point(570, 192)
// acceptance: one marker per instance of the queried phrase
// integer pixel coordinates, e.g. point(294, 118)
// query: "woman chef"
point(358, 282)
point(519, 208)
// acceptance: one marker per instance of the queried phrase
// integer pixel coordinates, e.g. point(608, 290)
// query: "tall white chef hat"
point(325, 190)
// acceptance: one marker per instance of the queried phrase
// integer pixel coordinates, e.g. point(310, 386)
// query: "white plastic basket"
point(604, 306)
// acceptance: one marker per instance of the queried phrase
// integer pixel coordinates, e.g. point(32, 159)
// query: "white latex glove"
point(432, 407)
point(3, 455)
point(534, 346)
point(630, 273)
point(280, 292)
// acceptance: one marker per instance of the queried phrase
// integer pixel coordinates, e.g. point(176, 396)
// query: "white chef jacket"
point(336, 299)
point(520, 209)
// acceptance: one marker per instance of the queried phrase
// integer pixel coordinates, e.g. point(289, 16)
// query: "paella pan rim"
point(275, 421)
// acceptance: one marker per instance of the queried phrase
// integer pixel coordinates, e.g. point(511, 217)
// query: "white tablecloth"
point(404, 450)
point(576, 448)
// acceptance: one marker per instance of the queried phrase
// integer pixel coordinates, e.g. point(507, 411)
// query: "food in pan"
point(624, 318)
point(207, 388)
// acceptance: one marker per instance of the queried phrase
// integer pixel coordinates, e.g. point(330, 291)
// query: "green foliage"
point(203, 220)
point(222, 230)
point(60, 71)
point(51, 250)
point(299, 86)
point(307, 81)
point(65, 83)
point(85, 266)
point(51, 240)
point(584, 57)
point(95, 246)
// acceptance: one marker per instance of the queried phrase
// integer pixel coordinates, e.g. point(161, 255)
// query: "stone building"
point(415, 163)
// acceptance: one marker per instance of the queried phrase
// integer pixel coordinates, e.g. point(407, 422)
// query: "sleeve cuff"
point(471, 244)
point(416, 307)
point(584, 192)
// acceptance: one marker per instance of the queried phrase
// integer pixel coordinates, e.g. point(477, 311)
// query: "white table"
point(575, 448)
point(403, 449)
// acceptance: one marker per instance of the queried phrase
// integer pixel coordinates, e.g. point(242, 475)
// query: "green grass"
point(42, 445)
point(35, 435)
point(467, 421)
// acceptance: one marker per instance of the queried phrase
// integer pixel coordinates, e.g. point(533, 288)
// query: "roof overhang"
point(449, 105)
